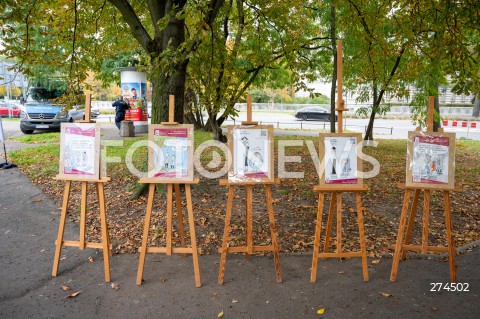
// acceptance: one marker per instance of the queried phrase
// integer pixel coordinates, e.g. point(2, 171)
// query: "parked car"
point(9, 109)
point(39, 113)
point(314, 113)
point(94, 113)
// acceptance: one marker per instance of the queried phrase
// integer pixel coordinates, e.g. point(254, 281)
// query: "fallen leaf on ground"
point(90, 259)
point(65, 288)
point(386, 294)
point(73, 295)
point(220, 315)
point(234, 301)
point(320, 311)
point(376, 261)
point(115, 286)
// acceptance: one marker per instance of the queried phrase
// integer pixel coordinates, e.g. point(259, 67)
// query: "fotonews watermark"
point(213, 159)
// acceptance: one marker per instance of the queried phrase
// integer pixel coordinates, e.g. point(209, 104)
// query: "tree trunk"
point(436, 106)
point(172, 82)
point(376, 104)
point(334, 73)
point(476, 105)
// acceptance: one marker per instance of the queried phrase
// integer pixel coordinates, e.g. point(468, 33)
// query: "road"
point(383, 128)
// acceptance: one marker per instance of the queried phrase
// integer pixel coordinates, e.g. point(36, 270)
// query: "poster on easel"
point(431, 159)
point(171, 154)
point(80, 151)
point(340, 164)
point(251, 148)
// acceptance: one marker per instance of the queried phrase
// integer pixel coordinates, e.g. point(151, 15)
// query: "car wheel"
point(24, 131)
point(304, 117)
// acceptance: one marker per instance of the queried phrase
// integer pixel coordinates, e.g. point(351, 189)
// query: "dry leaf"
point(386, 294)
point(220, 315)
point(234, 301)
point(115, 286)
point(320, 311)
point(376, 261)
point(65, 288)
point(90, 259)
point(36, 200)
point(341, 272)
point(73, 295)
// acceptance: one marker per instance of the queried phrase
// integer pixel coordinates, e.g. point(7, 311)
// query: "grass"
point(43, 138)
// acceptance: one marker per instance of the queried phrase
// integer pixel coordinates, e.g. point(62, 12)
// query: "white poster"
point(430, 159)
point(251, 155)
point(79, 150)
point(340, 160)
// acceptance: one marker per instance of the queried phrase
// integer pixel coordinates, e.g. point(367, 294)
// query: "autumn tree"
point(253, 44)
point(396, 43)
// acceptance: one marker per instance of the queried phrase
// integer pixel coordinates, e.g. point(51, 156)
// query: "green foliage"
point(259, 96)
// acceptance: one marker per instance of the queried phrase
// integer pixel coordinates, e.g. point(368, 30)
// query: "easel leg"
point(104, 208)
point(401, 228)
point(193, 237)
point(169, 218)
point(318, 231)
point(273, 232)
point(411, 221)
point(105, 236)
point(361, 232)
point(228, 215)
point(83, 214)
point(426, 212)
point(178, 203)
point(451, 247)
point(339, 223)
point(61, 228)
point(331, 209)
point(249, 222)
point(146, 228)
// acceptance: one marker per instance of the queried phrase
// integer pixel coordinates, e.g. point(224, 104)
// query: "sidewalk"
point(28, 228)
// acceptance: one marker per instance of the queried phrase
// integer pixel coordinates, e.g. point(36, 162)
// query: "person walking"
point(120, 107)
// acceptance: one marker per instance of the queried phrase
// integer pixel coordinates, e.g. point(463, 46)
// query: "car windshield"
point(42, 94)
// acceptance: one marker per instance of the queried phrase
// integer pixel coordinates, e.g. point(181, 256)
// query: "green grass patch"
point(43, 138)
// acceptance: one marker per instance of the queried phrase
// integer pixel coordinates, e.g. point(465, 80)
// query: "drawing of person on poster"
point(430, 160)
point(345, 170)
point(171, 152)
point(251, 153)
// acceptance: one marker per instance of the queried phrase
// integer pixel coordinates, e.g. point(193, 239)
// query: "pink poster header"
point(171, 132)
point(79, 131)
point(437, 140)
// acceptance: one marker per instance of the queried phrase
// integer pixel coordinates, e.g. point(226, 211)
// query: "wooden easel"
point(81, 243)
point(171, 185)
point(249, 248)
point(401, 247)
point(336, 196)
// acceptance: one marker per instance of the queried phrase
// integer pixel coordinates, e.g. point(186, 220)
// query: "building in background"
point(12, 81)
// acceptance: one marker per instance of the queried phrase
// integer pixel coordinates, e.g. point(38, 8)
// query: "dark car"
point(8, 109)
point(314, 113)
